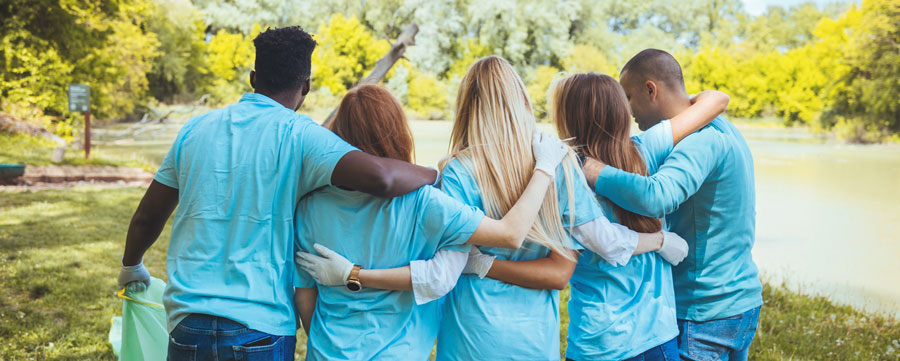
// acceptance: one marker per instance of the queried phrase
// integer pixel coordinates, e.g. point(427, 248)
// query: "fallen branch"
point(406, 39)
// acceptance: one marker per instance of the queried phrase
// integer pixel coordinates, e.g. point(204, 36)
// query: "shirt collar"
point(259, 98)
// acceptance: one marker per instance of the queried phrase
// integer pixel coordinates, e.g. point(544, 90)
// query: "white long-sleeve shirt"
point(434, 278)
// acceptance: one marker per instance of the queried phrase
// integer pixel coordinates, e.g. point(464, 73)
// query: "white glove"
point(548, 152)
point(134, 278)
point(331, 269)
point(674, 248)
point(478, 263)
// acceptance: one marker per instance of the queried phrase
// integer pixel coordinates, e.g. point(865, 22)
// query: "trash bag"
point(141, 333)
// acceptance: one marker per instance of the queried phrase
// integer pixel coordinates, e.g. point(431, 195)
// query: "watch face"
point(353, 286)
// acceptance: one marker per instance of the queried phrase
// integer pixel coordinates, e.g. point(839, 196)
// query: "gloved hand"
point(548, 152)
point(478, 263)
point(331, 269)
point(674, 248)
point(134, 278)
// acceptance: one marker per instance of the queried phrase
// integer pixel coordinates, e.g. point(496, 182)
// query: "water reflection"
point(828, 217)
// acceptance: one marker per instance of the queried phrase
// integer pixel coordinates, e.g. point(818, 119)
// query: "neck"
point(287, 99)
point(675, 104)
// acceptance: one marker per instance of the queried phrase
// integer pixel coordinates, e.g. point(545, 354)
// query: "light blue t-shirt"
point(616, 313)
point(240, 172)
point(486, 319)
point(705, 189)
point(378, 233)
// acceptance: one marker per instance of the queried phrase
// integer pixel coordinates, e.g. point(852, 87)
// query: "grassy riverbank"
point(59, 250)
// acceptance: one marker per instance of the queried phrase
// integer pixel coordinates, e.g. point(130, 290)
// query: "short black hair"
point(283, 58)
point(657, 65)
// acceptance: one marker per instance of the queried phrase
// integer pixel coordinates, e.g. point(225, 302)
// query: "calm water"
point(828, 215)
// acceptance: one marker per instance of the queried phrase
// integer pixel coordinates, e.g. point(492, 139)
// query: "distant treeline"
point(833, 68)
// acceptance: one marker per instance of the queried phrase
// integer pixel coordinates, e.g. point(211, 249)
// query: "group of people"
point(281, 222)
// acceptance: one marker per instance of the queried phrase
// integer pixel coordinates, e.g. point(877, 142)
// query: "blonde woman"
point(381, 232)
point(514, 312)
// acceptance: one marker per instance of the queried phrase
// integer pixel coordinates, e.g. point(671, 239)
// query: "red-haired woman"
point(351, 323)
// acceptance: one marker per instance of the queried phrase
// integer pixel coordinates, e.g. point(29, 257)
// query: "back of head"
point(283, 59)
point(656, 65)
point(494, 127)
point(371, 119)
point(592, 109)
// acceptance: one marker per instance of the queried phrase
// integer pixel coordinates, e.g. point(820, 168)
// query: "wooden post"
point(87, 135)
point(407, 38)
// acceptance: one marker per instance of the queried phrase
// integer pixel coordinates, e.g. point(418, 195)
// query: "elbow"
point(514, 240)
point(561, 279)
point(381, 182)
point(723, 102)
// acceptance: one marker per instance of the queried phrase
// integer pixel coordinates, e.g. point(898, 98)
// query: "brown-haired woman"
point(619, 313)
point(382, 320)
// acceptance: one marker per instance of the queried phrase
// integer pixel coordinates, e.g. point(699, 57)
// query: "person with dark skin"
point(237, 174)
point(705, 189)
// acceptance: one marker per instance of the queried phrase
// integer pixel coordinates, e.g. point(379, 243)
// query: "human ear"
point(652, 89)
point(253, 79)
point(304, 89)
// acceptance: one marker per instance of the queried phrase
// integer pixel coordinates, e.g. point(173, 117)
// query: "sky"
point(756, 7)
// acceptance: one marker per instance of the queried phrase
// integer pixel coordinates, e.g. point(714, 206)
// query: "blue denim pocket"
point(181, 352)
point(274, 350)
point(709, 340)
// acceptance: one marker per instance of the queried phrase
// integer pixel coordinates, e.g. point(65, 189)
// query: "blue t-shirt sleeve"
point(585, 207)
point(446, 220)
point(167, 174)
point(321, 150)
point(656, 143)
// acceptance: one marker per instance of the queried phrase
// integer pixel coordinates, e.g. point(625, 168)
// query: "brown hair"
point(371, 119)
point(592, 109)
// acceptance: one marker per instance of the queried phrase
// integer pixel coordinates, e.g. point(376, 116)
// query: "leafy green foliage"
point(230, 58)
point(180, 67)
point(346, 52)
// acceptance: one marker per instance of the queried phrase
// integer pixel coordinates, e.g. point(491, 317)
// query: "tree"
point(181, 66)
point(871, 82)
point(345, 52)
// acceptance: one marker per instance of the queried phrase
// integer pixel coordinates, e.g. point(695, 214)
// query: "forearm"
point(381, 177)
point(305, 302)
point(648, 242)
point(148, 221)
point(550, 273)
point(398, 279)
point(510, 231)
point(705, 107)
point(141, 235)
point(613, 242)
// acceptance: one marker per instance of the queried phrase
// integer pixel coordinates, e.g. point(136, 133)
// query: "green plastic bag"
point(141, 333)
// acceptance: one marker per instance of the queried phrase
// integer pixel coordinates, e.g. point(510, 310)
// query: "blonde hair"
point(493, 129)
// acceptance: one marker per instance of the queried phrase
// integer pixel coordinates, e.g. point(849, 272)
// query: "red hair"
point(371, 119)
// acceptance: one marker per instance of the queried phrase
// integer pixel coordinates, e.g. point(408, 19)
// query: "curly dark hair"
point(283, 57)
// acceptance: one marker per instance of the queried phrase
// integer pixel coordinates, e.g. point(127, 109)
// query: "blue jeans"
point(209, 338)
point(666, 352)
point(722, 339)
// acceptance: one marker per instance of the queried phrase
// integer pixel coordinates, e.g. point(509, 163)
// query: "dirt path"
point(68, 176)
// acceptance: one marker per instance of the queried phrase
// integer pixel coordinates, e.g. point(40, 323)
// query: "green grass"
point(35, 151)
point(59, 251)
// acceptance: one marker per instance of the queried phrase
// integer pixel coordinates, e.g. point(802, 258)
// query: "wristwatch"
point(353, 284)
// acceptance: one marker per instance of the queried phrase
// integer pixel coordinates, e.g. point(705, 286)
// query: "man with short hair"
point(705, 189)
point(237, 174)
